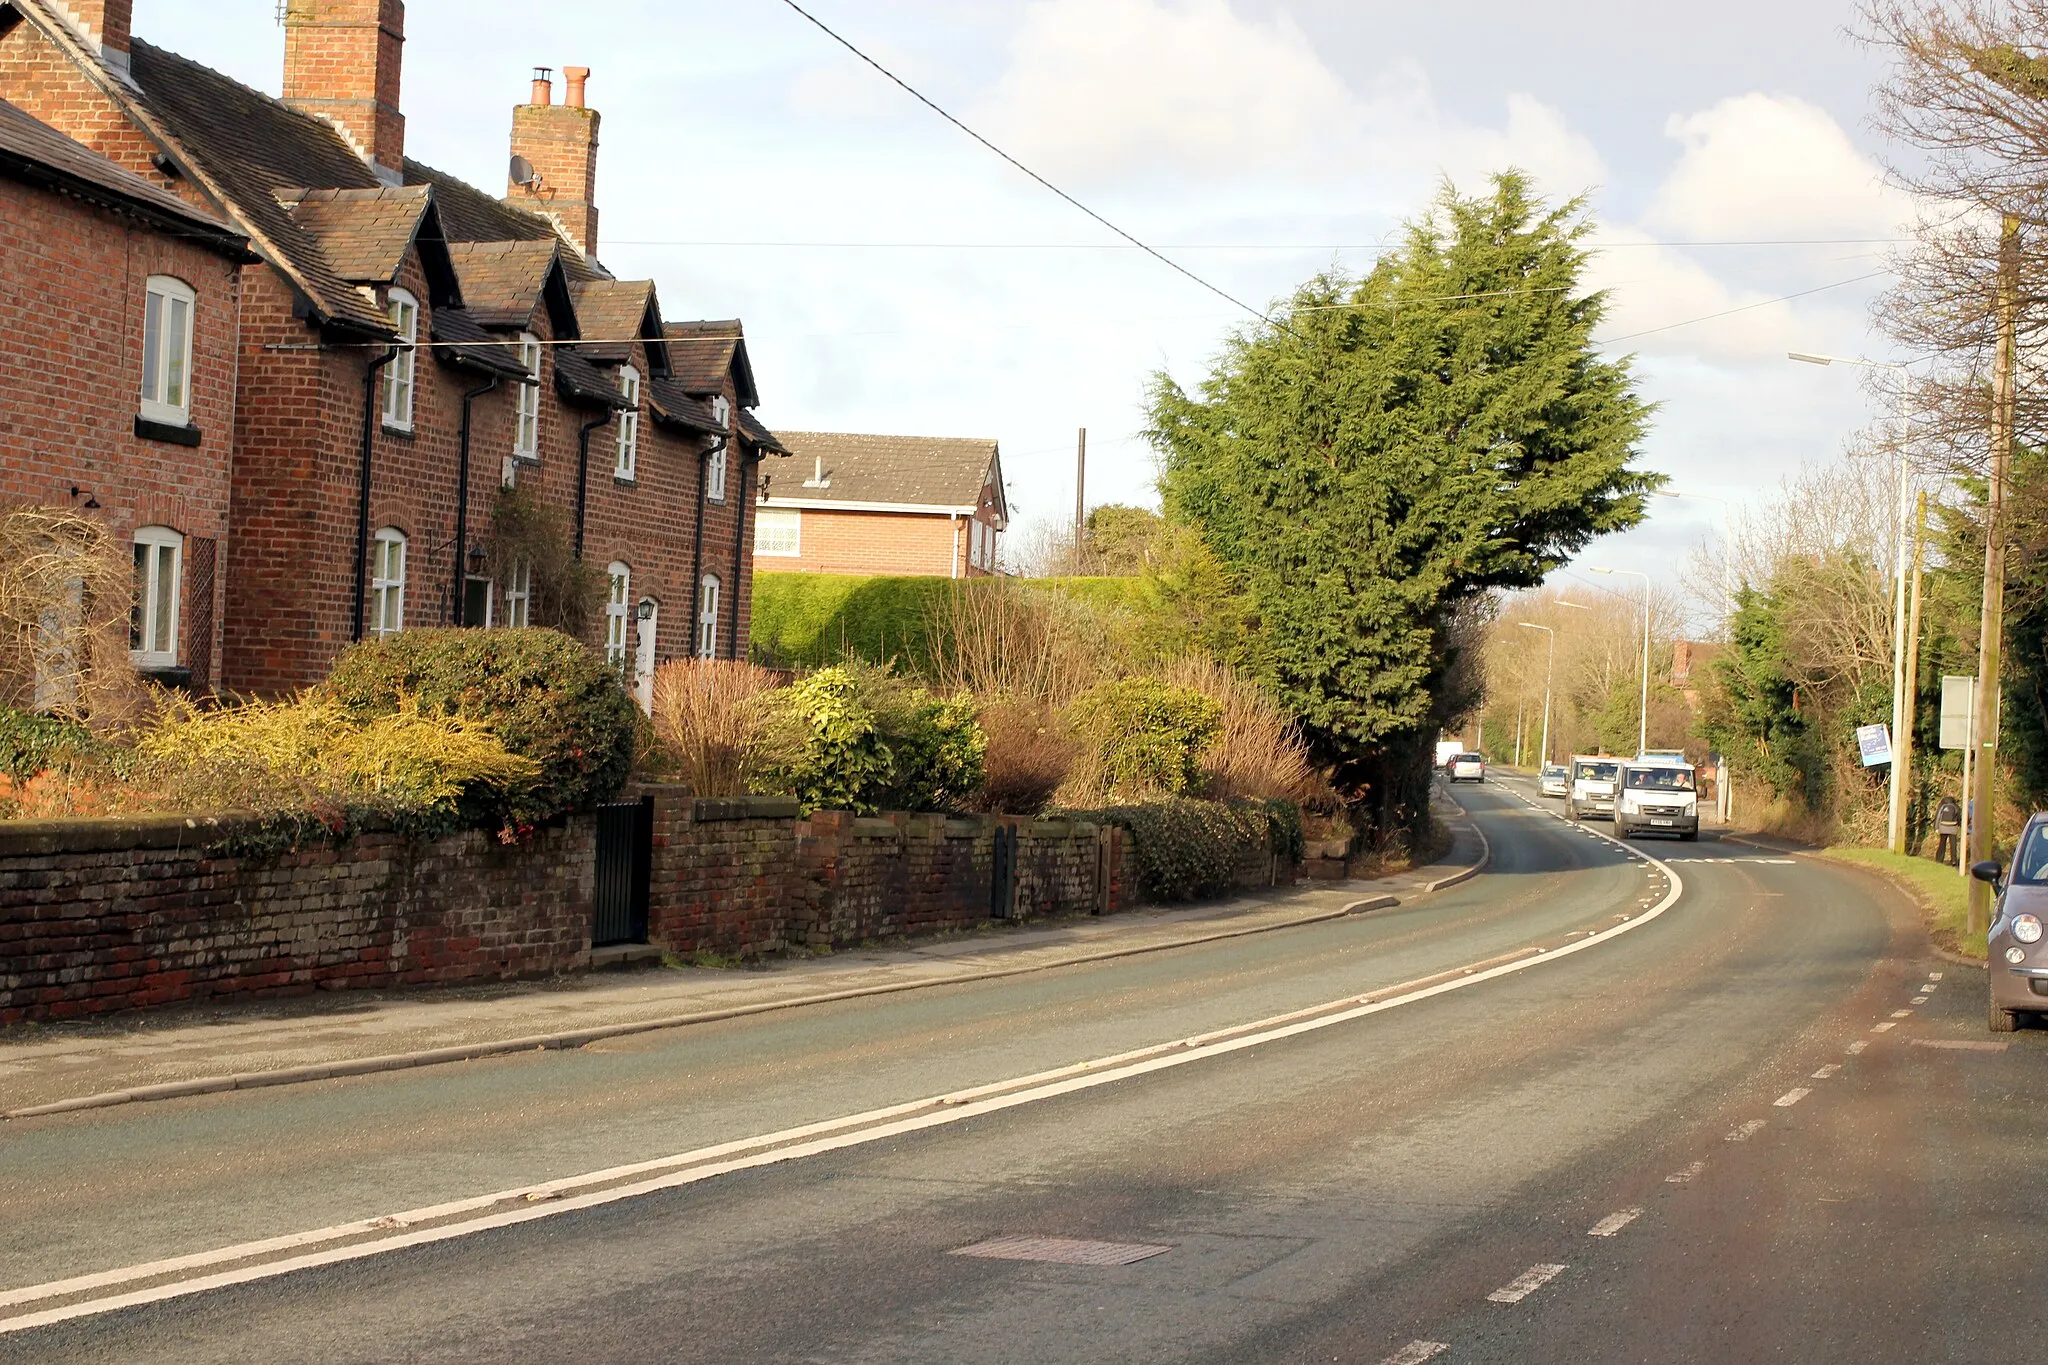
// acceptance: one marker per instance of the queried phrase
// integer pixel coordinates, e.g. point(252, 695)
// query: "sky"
point(896, 277)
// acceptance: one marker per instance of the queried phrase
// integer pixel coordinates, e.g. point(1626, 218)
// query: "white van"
point(1594, 779)
point(1659, 795)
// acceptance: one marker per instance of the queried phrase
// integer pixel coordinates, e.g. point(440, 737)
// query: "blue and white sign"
point(1875, 742)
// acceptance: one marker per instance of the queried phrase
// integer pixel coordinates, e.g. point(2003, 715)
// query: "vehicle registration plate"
point(1660, 822)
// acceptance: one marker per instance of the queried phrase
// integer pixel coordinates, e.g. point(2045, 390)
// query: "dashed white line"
point(1917, 1000)
point(1415, 1352)
point(1886, 1026)
point(1746, 1131)
point(1826, 1072)
point(1902, 1014)
point(1791, 1097)
point(1858, 1046)
point(1526, 1283)
point(1613, 1223)
point(1934, 976)
point(1930, 988)
point(1686, 1176)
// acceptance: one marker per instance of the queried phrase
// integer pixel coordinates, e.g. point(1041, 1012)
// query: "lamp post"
point(1643, 722)
point(1549, 661)
point(1902, 700)
point(1727, 542)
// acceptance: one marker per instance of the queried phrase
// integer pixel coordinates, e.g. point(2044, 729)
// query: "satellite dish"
point(523, 173)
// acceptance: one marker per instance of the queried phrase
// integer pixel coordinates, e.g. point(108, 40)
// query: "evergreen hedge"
point(1191, 850)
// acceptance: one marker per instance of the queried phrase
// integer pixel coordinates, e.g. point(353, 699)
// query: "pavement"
point(249, 1044)
point(1669, 1102)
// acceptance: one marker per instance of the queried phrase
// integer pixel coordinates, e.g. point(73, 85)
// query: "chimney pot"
point(576, 76)
point(560, 142)
point(543, 85)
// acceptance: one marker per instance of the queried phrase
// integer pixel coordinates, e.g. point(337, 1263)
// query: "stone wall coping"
point(710, 809)
point(114, 833)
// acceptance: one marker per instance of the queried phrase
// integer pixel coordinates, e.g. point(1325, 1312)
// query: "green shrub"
point(1142, 738)
point(1191, 850)
point(30, 744)
point(545, 696)
point(804, 620)
point(853, 737)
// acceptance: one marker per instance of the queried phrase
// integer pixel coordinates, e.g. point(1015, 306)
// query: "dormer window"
point(398, 374)
point(714, 475)
point(629, 425)
point(526, 434)
point(721, 412)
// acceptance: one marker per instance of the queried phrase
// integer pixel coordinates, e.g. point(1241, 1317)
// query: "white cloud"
point(1771, 166)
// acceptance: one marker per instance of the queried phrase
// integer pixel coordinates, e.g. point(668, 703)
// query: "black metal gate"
point(625, 858)
point(1002, 888)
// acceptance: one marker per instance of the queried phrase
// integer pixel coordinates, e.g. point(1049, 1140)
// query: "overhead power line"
point(1730, 312)
point(912, 91)
point(1197, 246)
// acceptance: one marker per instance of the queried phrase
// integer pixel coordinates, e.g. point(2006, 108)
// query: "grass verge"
point(1936, 886)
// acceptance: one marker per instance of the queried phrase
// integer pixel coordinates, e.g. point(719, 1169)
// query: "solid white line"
point(1613, 1223)
point(1742, 1134)
point(1790, 1098)
point(1686, 1176)
point(1827, 1072)
point(552, 1198)
point(1526, 1283)
point(1857, 1047)
point(1416, 1352)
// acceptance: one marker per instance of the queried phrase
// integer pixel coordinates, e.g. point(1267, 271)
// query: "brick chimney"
point(560, 142)
point(104, 24)
point(341, 64)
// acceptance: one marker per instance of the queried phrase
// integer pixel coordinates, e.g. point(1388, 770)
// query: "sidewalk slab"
point(244, 1044)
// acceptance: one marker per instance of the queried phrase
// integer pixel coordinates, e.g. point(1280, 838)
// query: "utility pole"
point(1902, 744)
point(1991, 629)
point(1080, 497)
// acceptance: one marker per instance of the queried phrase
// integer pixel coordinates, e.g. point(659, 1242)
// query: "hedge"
point(1191, 850)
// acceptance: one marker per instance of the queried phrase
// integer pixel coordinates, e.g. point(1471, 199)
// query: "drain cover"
point(1063, 1250)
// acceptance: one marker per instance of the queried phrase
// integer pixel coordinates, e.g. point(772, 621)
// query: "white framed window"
point(519, 595)
point(779, 531)
point(168, 306)
point(387, 582)
point(714, 475)
point(629, 425)
point(153, 620)
point(618, 611)
point(721, 412)
point(526, 430)
point(399, 374)
point(707, 617)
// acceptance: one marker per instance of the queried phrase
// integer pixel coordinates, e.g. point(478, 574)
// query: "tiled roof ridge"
point(542, 219)
point(889, 436)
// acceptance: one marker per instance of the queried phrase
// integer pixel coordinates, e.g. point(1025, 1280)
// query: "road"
point(1702, 1136)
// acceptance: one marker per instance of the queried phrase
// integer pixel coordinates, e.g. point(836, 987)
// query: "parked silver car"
point(2018, 959)
point(1555, 780)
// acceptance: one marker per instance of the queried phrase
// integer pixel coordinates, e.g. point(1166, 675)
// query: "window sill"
point(405, 433)
point(625, 480)
point(531, 461)
point(167, 432)
point(166, 675)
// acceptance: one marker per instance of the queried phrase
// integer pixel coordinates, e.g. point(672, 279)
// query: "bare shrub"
point(65, 598)
point(1030, 753)
point(997, 638)
point(1258, 750)
point(713, 721)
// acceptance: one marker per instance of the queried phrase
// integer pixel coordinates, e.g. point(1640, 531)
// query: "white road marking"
point(1917, 1000)
point(1790, 1098)
point(1881, 1028)
point(507, 1208)
point(1858, 1046)
point(1826, 1072)
point(1747, 1131)
point(1526, 1283)
point(1934, 976)
point(1613, 1223)
point(1902, 1014)
point(1930, 988)
point(1415, 1352)
point(1686, 1176)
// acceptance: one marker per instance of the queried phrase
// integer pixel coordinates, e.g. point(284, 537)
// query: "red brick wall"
point(97, 916)
point(72, 287)
point(835, 541)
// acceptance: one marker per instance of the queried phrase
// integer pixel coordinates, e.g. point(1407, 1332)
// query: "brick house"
point(410, 345)
point(850, 504)
point(119, 301)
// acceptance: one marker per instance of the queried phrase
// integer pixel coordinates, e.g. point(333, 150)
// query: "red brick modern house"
point(410, 344)
point(119, 301)
point(923, 505)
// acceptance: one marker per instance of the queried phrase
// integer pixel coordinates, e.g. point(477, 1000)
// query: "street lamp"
point(1549, 662)
point(1643, 724)
point(1902, 708)
point(1727, 541)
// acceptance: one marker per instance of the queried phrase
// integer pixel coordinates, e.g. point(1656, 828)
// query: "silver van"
point(1592, 791)
point(1658, 795)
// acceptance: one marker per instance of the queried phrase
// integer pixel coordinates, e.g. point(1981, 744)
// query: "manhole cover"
point(1063, 1250)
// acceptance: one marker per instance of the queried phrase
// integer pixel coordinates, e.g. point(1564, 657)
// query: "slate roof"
point(940, 472)
point(248, 144)
point(582, 383)
point(610, 311)
point(505, 283)
point(758, 436)
point(32, 151)
point(702, 354)
point(470, 215)
point(466, 344)
point(364, 233)
point(672, 406)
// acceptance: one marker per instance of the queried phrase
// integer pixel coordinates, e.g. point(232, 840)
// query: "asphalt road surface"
point(1734, 1109)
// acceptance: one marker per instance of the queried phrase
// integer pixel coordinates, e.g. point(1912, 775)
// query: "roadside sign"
point(1875, 742)
point(1958, 699)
